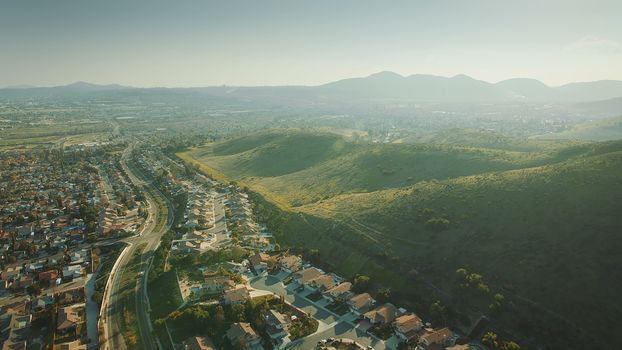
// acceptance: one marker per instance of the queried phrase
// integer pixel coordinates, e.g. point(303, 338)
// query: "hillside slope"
point(549, 235)
point(306, 166)
point(542, 226)
point(602, 130)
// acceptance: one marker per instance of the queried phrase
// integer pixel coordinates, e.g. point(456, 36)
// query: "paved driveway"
point(340, 330)
point(330, 326)
point(274, 285)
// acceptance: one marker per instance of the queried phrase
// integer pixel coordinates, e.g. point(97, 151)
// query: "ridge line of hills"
point(378, 86)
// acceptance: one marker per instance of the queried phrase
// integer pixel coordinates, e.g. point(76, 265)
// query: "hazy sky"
point(269, 42)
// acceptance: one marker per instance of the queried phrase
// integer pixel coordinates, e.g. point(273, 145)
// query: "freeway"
point(148, 240)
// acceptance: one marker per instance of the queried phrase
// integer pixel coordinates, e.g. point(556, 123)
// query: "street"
point(330, 325)
point(149, 238)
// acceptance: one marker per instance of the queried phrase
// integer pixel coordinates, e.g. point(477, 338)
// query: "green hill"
point(541, 226)
point(302, 167)
point(602, 130)
point(482, 138)
point(271, 154)
point(549, 235)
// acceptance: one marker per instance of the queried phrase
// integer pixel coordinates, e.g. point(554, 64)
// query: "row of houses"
point(407, 326)
point(45, 272)
point(64, 311)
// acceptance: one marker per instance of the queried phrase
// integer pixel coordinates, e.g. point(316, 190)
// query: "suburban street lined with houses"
point(143, 193)
point(307, 290)
point(331, 324)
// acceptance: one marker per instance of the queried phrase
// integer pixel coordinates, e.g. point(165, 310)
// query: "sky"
point(291, 42)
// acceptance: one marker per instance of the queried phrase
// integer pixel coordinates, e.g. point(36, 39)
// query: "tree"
point(361, 283)
point(510, 346)
point(438, 312)
point(272, 262)
point(34, 289)
point(384, 295)
point(490, 339)
point(220, 314)
point(437, 224)
point(237, 312)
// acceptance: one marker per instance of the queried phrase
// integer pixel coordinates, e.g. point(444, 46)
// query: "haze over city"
point(310, 175)
point(202, 43)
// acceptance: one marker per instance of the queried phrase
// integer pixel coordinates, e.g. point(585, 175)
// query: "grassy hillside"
point(541, 225)
point(541, 231)
point(602, 130)
point(298, 167)
point(482, 138)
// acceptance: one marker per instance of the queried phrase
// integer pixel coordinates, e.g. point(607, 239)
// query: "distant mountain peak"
point(462, 77)
point(84, 85)
point(80, 84)
point(385, 74)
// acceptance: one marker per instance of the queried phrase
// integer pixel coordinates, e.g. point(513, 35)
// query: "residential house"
point(49, 276)
point(42, 303)
point(382, 315)
point(72, 272)
point(68, 319)
point(458, 347)
point(340, 292)
point(23, 282)
point(35, 267)
point(321, 283)
point(235, 267)
point(237, 295)
point(71, 296)
point(198, 343)
point(290, 263)
point(244, 335)
point(19, 331)
point(190, 246)
point(306, 275)
point(443, 337)
point(73, 345)
point(361, 303)
point(407, 326)
point(217, 284)
point(259, 262)
point(277, 324)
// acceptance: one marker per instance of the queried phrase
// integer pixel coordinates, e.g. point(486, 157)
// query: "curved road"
point(149, 238)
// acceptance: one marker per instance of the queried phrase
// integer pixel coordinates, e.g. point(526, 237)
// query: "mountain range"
point(383, 86)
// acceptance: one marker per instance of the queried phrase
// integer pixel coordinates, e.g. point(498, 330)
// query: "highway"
point(148, 239)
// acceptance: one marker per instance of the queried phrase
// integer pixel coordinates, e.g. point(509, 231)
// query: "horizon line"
point(30, 86)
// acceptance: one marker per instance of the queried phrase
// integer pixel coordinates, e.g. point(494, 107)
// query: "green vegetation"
point(111, 254)
point(533, 224)
point(127, 299)
point(214, 320)
point(361, 284)
point(301, 327)
point(164, 294)
point(50, 134)
point(483, 138)
point(492, 340)
point(294, 167)
point(602, 130)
